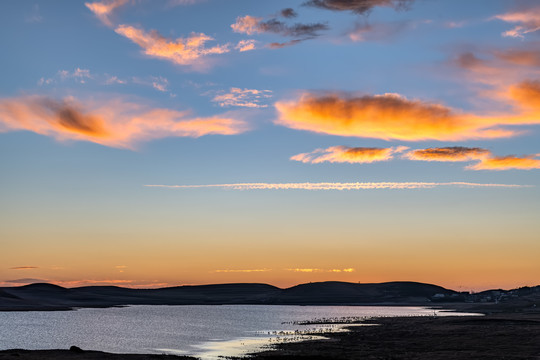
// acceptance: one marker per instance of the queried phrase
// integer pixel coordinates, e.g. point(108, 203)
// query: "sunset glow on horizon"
point(154, 144)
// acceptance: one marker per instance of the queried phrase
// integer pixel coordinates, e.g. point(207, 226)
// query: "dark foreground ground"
point(491, 337)
point(506, 332)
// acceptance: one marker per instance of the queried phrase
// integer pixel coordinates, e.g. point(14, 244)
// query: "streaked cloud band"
point(340, 185)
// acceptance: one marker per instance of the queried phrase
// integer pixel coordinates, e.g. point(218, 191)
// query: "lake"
point(204, 331)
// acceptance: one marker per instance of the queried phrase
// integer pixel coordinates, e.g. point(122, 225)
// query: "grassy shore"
point(507, 331)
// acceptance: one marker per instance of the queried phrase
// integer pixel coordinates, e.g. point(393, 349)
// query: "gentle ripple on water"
point(205, 331)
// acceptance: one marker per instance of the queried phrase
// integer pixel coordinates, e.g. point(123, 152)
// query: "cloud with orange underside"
point(511, 162)
point(181, 51)
point(114, 122)
point(448, 154)
point(105, 9)
point(486, 160)
point(345, 154)
point(394, 117)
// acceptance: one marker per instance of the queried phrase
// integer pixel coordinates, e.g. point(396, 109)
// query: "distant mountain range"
point(44, 296)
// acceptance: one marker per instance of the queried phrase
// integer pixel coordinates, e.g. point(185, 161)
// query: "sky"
point(171, 142)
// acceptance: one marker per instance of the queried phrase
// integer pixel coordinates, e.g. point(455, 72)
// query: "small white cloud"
point(246, 45)
point(243, 98)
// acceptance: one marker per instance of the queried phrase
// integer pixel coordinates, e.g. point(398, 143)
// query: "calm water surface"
point(199, 330)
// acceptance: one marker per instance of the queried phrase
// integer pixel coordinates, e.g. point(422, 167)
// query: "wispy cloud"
point(78, 74)
point(251, 98)
point(121, 268)
point(190, 51)
point(279, 45)
point(90, 282)
point(113, 122)
point(363, 31)
point(308, 270)
point(500, 69)
point(23, 268)
point(159, 83)
point(392, 116)
point(242, 270)
point(523, 57)
point(105, 9)
point(24, 281)
point(255, 25)
point(345, 154)
point(184, 2)
point(113, 79)
point(339, 186)
point(288, 13)
point(528, 21)
point(358, 6)
point(84, 76)
point(34, 16)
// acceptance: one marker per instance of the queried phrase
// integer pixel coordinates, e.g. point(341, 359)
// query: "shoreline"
point(503, 332)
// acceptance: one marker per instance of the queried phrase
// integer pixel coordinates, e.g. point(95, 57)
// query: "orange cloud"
point(337, 186)
point(520, 57)
point(23, 268)
point(391, 116)
point(247, 25)
point(345, 154)
point(486, 159)
point(454, 153)
point(527, 95)
point(113, 122)
point(499, 69)
point(104, 9)
point(182, 51)
point(528, 20)
point(526, 162)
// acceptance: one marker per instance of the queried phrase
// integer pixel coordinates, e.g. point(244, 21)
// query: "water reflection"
point(202, 331)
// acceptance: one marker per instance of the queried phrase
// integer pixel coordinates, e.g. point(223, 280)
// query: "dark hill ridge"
point(334, 292)
point(53, 297)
